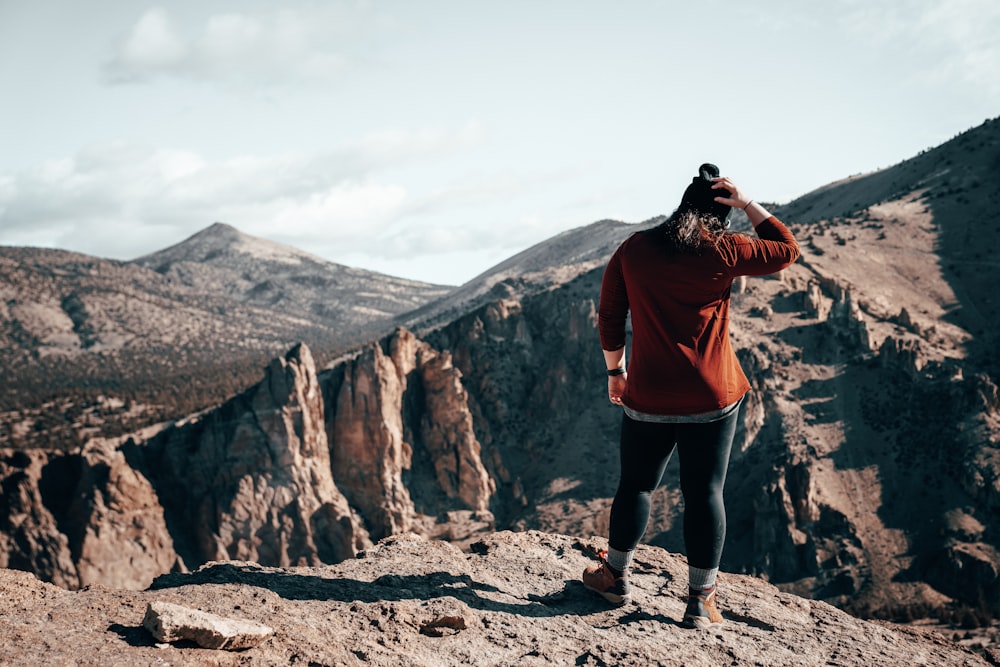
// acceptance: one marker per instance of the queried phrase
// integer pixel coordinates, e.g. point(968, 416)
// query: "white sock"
point(700, 579)
point(620, 560)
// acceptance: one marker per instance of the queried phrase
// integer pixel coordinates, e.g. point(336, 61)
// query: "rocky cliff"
point(253, 480)
point(82, 519)
point(402, 439)
point(515, 599)
point(267, 477)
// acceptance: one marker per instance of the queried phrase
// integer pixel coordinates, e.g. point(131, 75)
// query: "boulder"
point(172, 622)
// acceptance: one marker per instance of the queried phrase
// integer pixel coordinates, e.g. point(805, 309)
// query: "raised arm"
point(776, 247)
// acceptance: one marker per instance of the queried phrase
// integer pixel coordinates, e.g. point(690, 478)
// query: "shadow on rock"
point(572, 599)
point(133, 635)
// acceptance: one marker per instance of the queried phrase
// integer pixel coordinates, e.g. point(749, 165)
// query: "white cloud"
point(71, 202)
point(122, 200)
point(504, 237)
point(154, 43)
point(958, 36)
point(347, 214)
point(311, 44)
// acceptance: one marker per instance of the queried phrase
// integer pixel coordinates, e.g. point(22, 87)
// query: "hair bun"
point(700, 195)
point(708, 171)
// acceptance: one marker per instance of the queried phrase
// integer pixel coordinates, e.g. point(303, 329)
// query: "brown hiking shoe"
point(602, 579)
point(702, 610)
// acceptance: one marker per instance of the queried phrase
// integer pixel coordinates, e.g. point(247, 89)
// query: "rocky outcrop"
point(252, 480)
point(371, 452)
point(902, 354)
point(783, 511)
point(836, 304)
point(118, 531)
point(449, 436)
point(980, 438)
point(968, 570)
point(255, 479)
point(516, 599)
point(82, 519)
point(402, 436)
point(30, 538)
point(815, 302)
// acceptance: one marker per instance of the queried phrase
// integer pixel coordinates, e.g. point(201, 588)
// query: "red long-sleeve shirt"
point(681, 361)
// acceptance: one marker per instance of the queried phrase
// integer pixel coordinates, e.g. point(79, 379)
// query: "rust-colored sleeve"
point(773, 250)
point(613, 309)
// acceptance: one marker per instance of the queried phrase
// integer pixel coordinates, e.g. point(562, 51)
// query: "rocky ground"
point(515, 599)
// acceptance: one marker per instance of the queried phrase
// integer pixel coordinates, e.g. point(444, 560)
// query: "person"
point(684, 385)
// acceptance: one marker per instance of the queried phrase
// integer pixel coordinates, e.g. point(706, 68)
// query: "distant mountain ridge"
point(174, 330)
point(541, 267)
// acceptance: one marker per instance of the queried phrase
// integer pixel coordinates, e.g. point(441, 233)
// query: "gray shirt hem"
point(699, 418)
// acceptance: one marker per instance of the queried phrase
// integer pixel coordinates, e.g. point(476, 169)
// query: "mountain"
point(223, 261)
point(515, 599)
point(96, 346)
point(927, 225)
point(866, 471)
point(543, 266)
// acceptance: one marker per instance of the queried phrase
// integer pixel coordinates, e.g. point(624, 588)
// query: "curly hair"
point(689, 232)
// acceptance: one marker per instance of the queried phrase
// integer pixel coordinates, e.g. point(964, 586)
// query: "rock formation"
point(31, 539)
point(82, 519)
point(402, 436)
point(174, 623)
point(252, 480)
point(260, 479)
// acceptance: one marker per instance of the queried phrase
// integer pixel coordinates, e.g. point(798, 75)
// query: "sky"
point(431, 140)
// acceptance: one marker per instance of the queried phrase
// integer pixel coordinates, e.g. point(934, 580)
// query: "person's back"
point(681, 360)
point(684, 385)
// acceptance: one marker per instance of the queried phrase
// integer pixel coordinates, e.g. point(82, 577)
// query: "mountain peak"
point(220, 243)
point(219, 230)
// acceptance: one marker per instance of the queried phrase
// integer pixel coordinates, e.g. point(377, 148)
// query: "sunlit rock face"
point(402, 437)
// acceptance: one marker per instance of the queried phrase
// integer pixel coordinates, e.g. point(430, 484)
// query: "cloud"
point(153, 43)
point(313, 44)
point(967, 29)
point(73, 202)
point(122, 200)
point(959, 35)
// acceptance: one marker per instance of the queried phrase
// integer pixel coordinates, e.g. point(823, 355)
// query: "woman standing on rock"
point(684, 384)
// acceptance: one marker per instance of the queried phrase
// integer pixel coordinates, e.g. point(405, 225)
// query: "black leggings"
point(704, 456)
